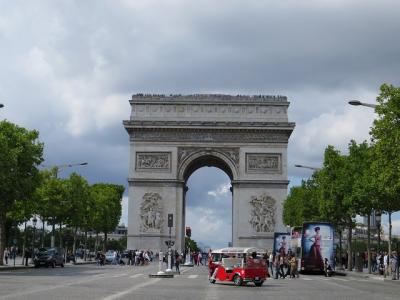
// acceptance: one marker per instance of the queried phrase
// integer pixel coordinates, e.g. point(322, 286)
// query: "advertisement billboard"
point(282, 242)
point(317, 244)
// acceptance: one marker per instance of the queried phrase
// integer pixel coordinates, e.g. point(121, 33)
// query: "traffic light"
point(188, 232)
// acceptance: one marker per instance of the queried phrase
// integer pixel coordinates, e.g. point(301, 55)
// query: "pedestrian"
point(177, 263)
point(271, 263)
point(293, 267)
point(200, 258)
point(385, 264)
point(281, 266)
point(393, 265)
point(6, 255)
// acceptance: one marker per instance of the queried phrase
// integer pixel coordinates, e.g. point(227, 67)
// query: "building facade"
point(172, 136)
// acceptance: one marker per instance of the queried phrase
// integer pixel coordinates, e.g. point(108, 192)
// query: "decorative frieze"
point(262, 215)
point(262, 163)
point(210, 136)
point(153, 161)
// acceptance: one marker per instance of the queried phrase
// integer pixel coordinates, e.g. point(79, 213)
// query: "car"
point(49, 257)
point(111, 256)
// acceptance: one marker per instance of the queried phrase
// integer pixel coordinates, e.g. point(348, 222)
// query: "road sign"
point(169, 243)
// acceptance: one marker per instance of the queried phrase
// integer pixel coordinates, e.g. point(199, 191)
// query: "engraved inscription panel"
point(154, 161)
point(261, 163)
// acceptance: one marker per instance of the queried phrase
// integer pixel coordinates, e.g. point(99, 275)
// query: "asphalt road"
point(116, 282)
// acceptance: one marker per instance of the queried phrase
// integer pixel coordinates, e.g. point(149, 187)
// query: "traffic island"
point(161, 275)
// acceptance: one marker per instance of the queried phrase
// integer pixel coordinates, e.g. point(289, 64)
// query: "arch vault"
point(172, 136)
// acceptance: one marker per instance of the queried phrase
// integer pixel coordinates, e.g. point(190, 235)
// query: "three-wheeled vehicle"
point(239, 265)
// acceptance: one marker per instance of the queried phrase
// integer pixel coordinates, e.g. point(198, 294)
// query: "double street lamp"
point(359, 103)
point(307, 167)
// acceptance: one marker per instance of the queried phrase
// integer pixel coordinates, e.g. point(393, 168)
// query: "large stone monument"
point(172, 136)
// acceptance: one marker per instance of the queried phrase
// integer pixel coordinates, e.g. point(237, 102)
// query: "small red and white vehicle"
point(239, 265)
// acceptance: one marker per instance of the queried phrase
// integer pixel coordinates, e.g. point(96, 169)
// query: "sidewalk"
point(20, 266)
point(364, 274)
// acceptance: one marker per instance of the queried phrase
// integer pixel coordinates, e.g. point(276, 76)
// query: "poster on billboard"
point(317, 244)
point(282, 243)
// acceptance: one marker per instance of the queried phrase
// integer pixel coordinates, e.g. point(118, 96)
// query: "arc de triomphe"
point(172, 136)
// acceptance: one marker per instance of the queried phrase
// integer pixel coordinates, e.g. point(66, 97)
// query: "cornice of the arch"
point(187, 155)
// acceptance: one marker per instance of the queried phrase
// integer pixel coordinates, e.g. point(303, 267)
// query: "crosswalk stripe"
point(193, 276)
point(136, 275)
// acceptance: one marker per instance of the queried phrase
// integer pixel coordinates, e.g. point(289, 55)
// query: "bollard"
point(160, 263)
point(169, 261)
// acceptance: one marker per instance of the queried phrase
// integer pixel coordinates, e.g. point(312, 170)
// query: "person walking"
point(177, 263)
point(385, 265)
point(271, 263)
point(393, 265)
point(293, 267)
point(6, 255)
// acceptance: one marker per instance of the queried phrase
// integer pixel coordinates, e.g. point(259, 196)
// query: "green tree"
point(364, 196)
point(108, 208)
point(302, 204)
point(53, 200)
point(335, 187)
point(386, 138)
point(78, 197)
point(21, 153)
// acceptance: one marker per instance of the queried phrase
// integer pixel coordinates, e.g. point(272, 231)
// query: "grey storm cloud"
point(68, 68)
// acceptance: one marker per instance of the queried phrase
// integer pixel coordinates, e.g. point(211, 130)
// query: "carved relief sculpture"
point(153, 161)
point(262, 215)
point(151, 213)
point(263, 163)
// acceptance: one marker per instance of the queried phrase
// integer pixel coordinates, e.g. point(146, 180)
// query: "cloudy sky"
point(68, 69)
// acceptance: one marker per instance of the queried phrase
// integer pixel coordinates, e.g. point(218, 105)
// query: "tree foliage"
point(21, 153)
point(107, 208)
point(302, 204)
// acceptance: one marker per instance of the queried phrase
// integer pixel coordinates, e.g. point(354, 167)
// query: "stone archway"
point(172, 136)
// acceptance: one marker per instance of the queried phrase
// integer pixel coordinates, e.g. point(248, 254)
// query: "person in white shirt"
point(385, 264)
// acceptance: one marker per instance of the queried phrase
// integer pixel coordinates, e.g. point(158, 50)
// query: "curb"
point(8, 268)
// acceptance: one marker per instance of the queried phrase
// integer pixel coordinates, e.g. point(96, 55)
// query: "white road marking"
point(340, 279)
point(193, 276)
point(136, 275)
point(305, 278)
point(123, 293)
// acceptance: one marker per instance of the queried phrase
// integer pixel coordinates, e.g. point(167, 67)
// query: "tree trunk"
point(2, 235)
point(53, 235)
point(74, 244)
point(86, 242)
point(24, 244)
point(369, 243)
point(105, 242)
point(42, 240)
point(96, 244)
point(60, 233)
point(340, 266)
point(390, 235)
point(349, 250)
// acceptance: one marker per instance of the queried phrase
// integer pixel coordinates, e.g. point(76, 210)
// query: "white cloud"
point(208, 227)
point(220, 191)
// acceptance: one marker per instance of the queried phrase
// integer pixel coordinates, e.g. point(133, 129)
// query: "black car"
point(49, 257)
